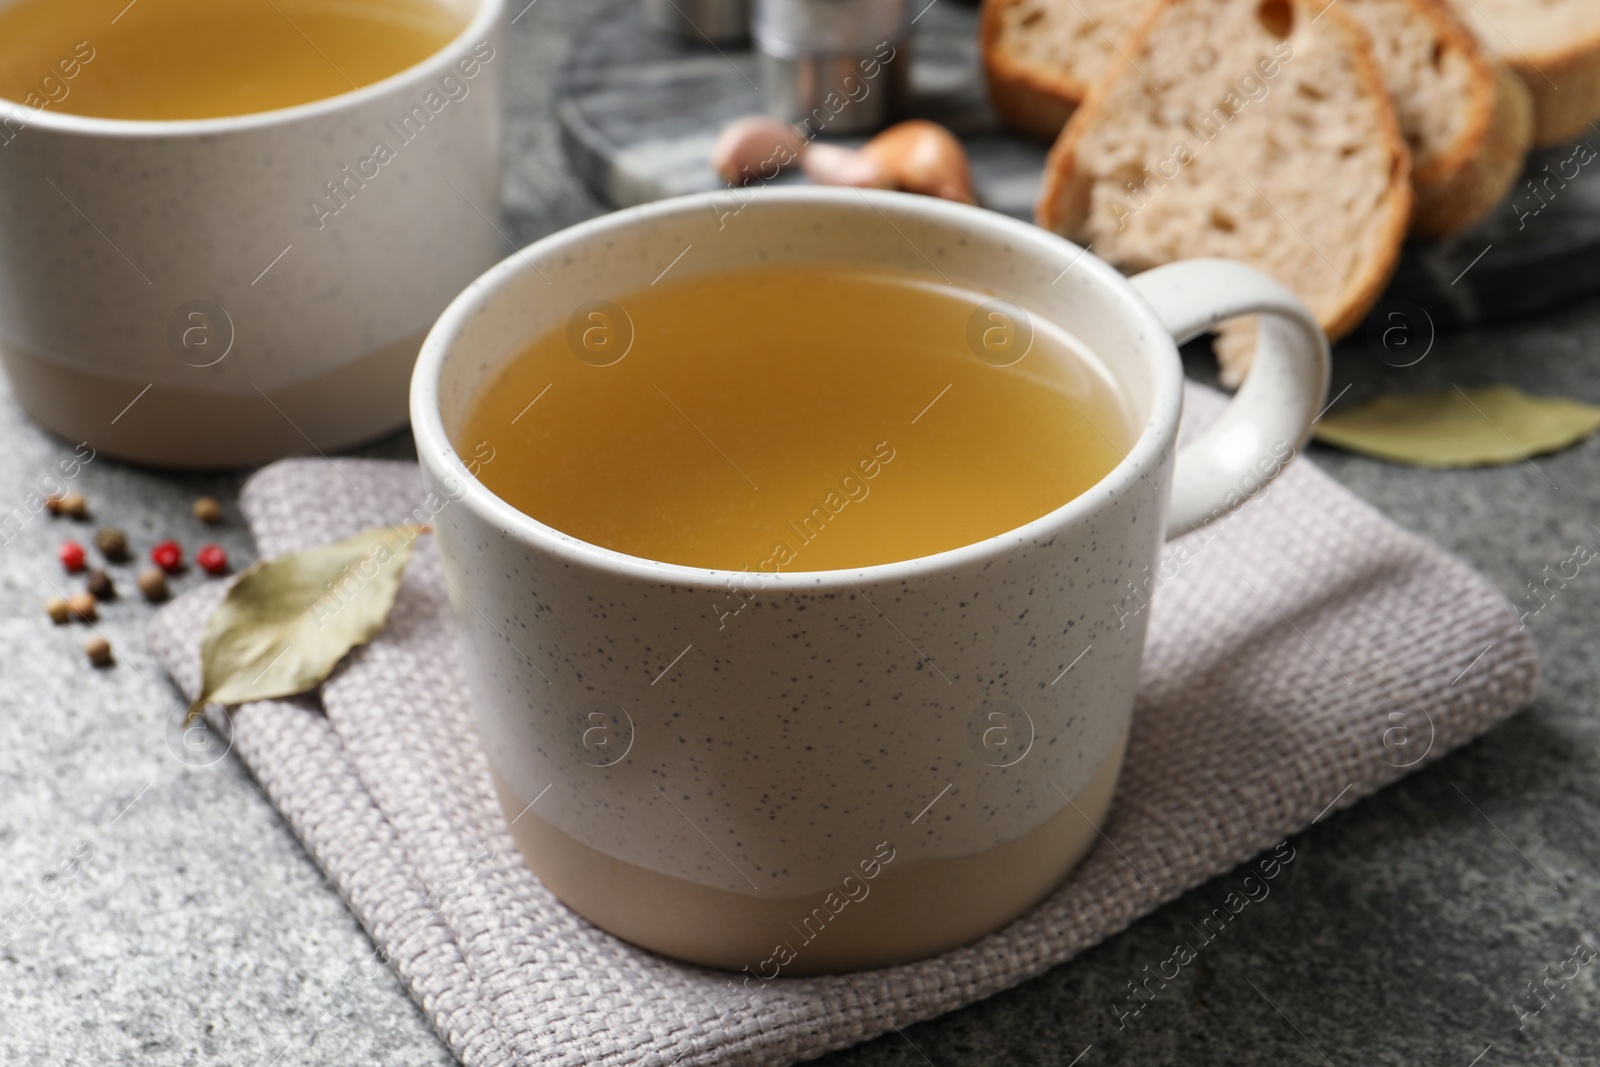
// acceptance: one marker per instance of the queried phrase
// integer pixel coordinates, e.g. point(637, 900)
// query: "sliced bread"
point(1041, 56)
point(1275, 144)
point(1554, 45)
point(1466, 117)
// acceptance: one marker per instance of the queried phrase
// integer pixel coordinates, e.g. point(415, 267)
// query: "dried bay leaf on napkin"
point(1460, 428)
point(286, 623)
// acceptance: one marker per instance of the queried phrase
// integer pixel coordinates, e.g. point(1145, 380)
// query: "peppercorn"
point(58, 609)
point(168, 556)
point(212, 559)
point(52, 503)
point(153, 584)
point(71, 556)
point(112, 543)
point(208, 511)
point(98, 649)
point(83, 607)
point(75, 505)
point(100, 586)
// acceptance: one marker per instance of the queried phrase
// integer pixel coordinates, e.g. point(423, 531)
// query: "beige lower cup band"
point(909, 912)
point(199, 430)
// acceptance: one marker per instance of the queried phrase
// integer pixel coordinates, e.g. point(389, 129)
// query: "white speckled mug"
point(873, 765)
point(221, 292)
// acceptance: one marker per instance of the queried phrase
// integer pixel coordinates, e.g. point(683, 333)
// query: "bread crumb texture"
point(1256, 130)
point(1064, 41)
point(1441, 93)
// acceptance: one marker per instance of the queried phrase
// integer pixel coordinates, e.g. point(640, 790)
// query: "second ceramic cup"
point(813, 771)
point(221, 292)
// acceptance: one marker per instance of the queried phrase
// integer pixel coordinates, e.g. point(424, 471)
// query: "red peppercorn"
point(212, 559)
point(168, 556)
point(71, 556)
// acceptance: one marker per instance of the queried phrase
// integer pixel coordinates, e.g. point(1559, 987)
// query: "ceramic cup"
point(823, 771)
point(221, 292)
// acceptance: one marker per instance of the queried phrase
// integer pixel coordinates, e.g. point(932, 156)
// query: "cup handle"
point(1271, 415)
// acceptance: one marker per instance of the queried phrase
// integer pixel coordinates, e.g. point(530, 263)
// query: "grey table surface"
point(198, 931)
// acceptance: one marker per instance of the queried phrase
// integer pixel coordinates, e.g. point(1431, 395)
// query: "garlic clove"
point(924, 157)
point(828, 164)
point(755, 148)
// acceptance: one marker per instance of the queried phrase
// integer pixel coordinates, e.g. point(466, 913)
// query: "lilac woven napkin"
point(1262, 704)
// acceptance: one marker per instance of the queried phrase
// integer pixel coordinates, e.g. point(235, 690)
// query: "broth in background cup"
point(203, 292)
point(792, 770)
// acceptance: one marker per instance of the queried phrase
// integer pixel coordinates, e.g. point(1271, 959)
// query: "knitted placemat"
point(1353, 653)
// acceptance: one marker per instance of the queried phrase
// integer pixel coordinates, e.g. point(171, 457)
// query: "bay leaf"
point(1460, 428)
point(287, 622)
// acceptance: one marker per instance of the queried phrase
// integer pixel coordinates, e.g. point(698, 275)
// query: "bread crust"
point(1363, 291)
point(1025, 98)
point(1063, 196)
point(1062, 202)
point(1566, 90)
point(1458, 188)
point(1453, 199)
point(1024, 103)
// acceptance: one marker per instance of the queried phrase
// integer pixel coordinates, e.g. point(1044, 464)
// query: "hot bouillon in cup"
point(803, 417)
point(193, 59)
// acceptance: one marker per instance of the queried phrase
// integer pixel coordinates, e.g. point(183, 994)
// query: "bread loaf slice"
point(1257, 130)
point(1041, 56)
point(1466, 117)
point(1554, 46)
